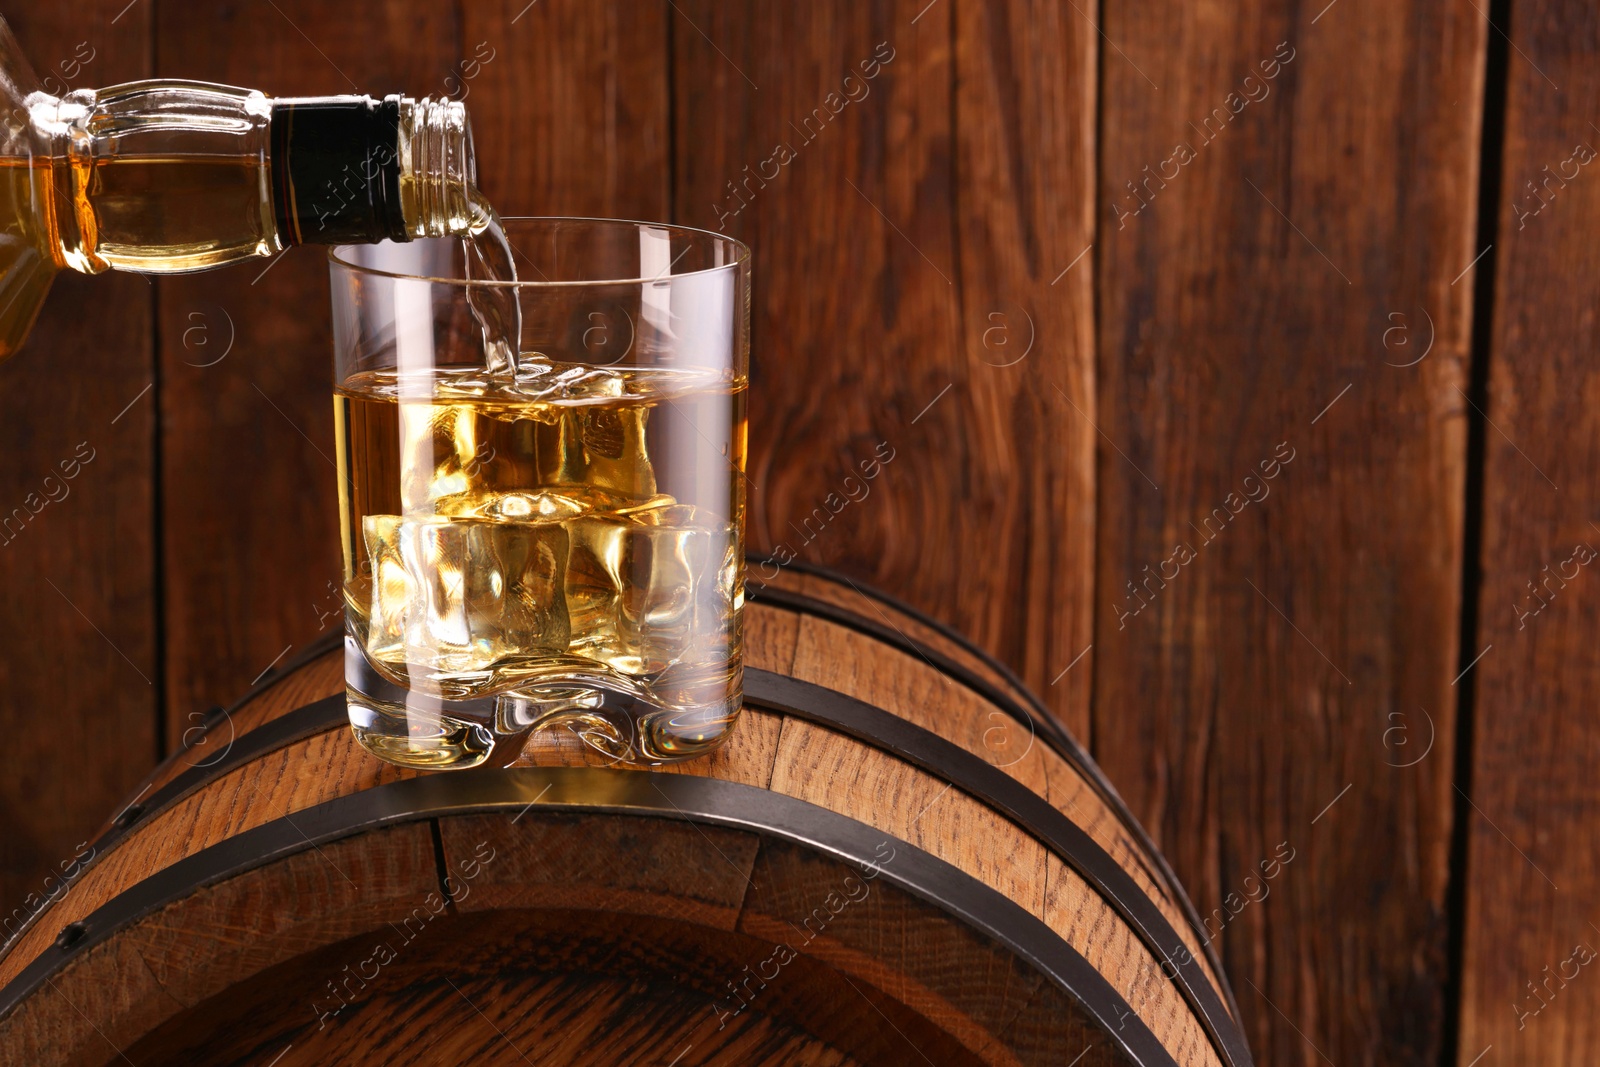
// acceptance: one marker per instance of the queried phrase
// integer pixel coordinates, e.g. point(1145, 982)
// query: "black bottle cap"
point(336, 169)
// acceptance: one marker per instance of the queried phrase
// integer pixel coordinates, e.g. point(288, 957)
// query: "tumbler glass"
point(541, 489)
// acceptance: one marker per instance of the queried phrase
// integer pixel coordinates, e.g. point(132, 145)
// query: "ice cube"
point(603, 449)
point(444, 455)
point(649, 589)
point(391, 590)
point(616, 449)
point(456, 596)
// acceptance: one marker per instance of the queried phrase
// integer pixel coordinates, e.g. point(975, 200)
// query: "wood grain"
point(645, 868)
point(116, 992)
point(1025, 115)
point(993, 736)
point(892, 216)
point(560, 988)
point(77, 562)
point(318, 769)
point(571, 115)
point(1243, 307)
point(679, 974)
point(297, 776)
point(845, 661)
point(839, 773)
point(902, 623)
point(895, 949)
point(209, 741)
point(1532, 808)
point(301, 775)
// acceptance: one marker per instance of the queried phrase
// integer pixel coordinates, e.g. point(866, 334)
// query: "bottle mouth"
point(556, 251)
point(438, 172)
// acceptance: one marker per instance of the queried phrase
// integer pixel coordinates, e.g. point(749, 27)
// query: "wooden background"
point(1237, 365)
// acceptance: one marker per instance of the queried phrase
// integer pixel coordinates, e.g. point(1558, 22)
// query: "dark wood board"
point(1531, 878)
point(908, 227)
point(77, 564)
point(1248, 699)
point(570, 116)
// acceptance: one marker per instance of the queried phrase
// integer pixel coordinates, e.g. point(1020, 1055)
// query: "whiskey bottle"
point(166, 177)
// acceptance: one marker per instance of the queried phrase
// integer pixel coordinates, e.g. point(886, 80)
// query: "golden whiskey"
point(558, 546)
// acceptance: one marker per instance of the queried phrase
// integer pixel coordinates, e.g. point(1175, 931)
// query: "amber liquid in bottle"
point(172, 214)
point(160, 215)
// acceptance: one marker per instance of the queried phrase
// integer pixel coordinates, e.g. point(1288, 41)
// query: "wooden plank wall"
point(1287, 503)
point(1531, 878)
point(1205, 415)
point(939, 204)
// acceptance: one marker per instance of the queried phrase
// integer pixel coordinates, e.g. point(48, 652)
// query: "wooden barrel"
point(898, 858)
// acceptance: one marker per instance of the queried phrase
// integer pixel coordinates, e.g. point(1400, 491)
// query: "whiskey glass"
point(542, 489)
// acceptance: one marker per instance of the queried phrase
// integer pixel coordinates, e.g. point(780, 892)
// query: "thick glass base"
point(416, 729)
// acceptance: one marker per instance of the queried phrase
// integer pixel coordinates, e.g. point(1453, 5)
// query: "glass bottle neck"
point(438, 172)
